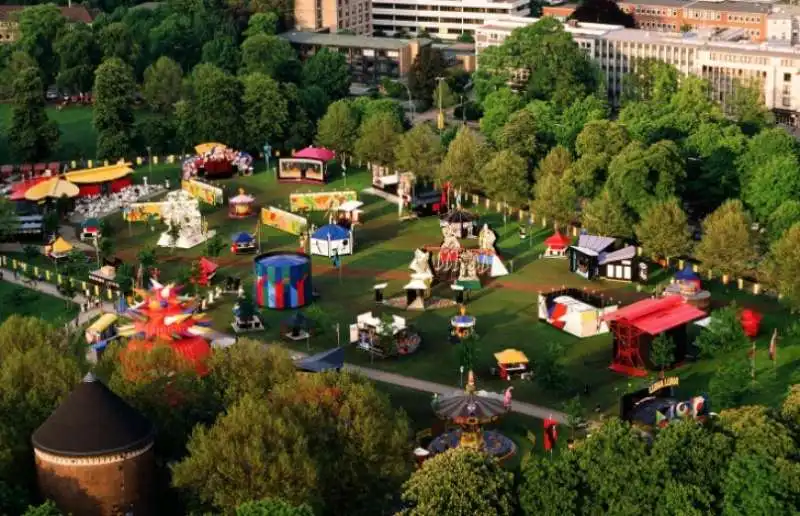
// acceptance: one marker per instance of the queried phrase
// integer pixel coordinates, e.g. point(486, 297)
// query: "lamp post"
point(463, 111)
point(440, 118)
point(461, 376)
point(149, 163)
point(267, 153)
point(410, 103)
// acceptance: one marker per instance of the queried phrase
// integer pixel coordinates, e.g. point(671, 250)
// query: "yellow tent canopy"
point(206, 147)
point(53, 188)
point(101, 324)
point(60, 246)
point(99, 174)
point(511, 356)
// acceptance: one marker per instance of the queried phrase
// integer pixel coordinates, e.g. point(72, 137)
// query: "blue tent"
point(687, 274)
point(242, 238)
point(332, 359)
point(331, 232)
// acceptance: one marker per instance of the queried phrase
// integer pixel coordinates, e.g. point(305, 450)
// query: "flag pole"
point(753, 361)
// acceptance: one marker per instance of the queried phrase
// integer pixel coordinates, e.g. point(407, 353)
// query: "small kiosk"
point(243, 243)
point(512, 362)
point(90, 229)
point(556, 245)
point(348, 214)
point(309, 165)
point(417, 291)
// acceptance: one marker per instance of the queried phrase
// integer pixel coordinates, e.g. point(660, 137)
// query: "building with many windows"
point(445, 19)
point(354, 16)
point(775, 68)
point(682, 15)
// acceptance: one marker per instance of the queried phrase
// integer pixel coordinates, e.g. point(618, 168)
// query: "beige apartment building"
point(710, 55)
point(334, 15)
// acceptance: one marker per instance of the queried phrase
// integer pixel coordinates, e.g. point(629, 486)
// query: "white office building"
point(713, 56)
point(446, 19)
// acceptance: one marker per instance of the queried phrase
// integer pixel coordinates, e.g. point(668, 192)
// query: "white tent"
point(332, 239)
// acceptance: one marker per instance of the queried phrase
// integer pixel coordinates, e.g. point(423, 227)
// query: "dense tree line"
point(178, 63)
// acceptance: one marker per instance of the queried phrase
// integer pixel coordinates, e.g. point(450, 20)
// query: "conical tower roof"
point(92, 421)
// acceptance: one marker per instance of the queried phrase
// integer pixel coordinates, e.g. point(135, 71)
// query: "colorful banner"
point(202, 191)
point(283, 220)
point(139, 211)
point(320, 201)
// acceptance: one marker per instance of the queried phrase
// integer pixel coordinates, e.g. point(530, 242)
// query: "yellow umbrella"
point(206, 147)
point(54, 188)
point(60, 247)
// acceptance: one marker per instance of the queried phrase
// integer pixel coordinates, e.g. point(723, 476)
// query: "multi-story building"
point(334, 15)
point(9, 26)
point(445, 19)
point(369, 59)
point(683, 16)
point(722, 62)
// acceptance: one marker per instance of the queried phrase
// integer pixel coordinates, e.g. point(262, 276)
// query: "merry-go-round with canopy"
point(470, 410)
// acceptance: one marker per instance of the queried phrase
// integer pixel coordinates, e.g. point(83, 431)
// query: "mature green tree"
point(216, 105)
point(315, 102)
point(113, 103)
point(262, 23)
point(428, 65)
point(464, 159)
point(182, 33)
point(728, 244)
point(588, 174)
point(556, 163)
point(754, 486)
point(32, 135)
point(746, 107)
point(269, 55)
point(300, 130)
point(723, 334)
point(607, 215)
point(764, 147)
point(329, 71)
point(443, 96)
point(77, 55)
point(692, 105)
point(420, 152)
point(366, 108)
point(39, 27)
point(771, 184)
point(377, 138)
point(782, 268)
point(650, 80)
point(266, 112)
point(459, 481)
point(519, 135)
point(497, 109)
point(640, 176)
point(664, 230)
point(505, 178)
point(8, 219)
point(549, 369)
point(662, 352)
point(337, 130)
point(555, 199)
point(648, 122)
point(602, 11)
point(274, 447)
point(556, 68)
point(117, 41)
point(783, 218)
point(249, 368)
point(550, 485)
point(222, 52)
point(712, 150)
point(273, 507)
point(162, 84)
point(48, 508)
point(16, 62)
point(601, 137)
point(577, 115)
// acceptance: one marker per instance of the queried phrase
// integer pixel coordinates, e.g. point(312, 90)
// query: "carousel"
point(462, 325)
point(689, 285)
point(241, 206)
point(461, 223)
point(470, 410)
point(466, 266)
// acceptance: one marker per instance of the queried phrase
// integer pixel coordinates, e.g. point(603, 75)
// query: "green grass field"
point(506, 312)
point(19, 300)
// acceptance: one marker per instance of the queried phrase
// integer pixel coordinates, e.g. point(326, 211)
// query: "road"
point(408, 382)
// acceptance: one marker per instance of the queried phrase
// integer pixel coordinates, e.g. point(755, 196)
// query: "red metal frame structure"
point(634, 327)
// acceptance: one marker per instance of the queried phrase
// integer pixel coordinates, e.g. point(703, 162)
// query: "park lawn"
point(77, 140)
point(15, 299)
point(506, 310)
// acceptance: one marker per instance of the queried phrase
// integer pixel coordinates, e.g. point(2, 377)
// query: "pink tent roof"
point(557, 241)
point(654, 316)
point(320, 153)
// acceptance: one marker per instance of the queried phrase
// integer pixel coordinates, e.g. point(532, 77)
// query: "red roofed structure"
point(635, 326)
point(556, 245)
point(318, 153)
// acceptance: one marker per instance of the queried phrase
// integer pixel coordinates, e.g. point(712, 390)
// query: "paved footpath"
point(409, 382)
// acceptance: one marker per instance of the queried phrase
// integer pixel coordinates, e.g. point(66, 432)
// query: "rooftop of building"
point(701, 40)
point(75, 13)
point(349, 41)
point(92, 421)
point(581, 28)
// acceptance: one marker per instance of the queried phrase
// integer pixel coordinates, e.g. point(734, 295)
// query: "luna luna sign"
point(671, 381)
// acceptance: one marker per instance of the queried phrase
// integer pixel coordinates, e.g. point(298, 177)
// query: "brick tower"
point(94, 455)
